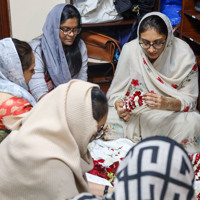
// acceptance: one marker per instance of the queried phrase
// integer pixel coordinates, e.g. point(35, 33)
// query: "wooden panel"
point(194, 37)
point(198, 61)
point(4, 19)
point(188, 4)
point(190, 27)
point(101, 74)
point(157, 5)
point(191, 24)
point(115, 23)
point(192, 13)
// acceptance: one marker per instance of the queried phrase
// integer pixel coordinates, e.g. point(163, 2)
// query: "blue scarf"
point(52, 47)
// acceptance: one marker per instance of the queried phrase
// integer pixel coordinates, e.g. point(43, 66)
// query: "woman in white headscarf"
point(45, 156)
point(60, 54)
point(155, 88)
point(16, 69)
point(156, 168)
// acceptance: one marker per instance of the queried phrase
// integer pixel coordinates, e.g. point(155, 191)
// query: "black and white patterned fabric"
point(157, 168)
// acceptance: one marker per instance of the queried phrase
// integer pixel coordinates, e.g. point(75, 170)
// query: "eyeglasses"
point(67, 30)
point(156, 45)
point(100, 133)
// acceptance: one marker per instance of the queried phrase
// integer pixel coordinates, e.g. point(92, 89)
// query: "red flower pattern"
point(107, 173)
point(186, 109)
point(129, 102)
point(184, 141)
point(152, 92)
point(195, 163)
point(194, 68)
point(144, 61)
point(159, 79)
point(174, 86)
point(135, 82)
point(128, 93)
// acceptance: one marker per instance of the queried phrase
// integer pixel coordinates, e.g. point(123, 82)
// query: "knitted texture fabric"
point(48, 154)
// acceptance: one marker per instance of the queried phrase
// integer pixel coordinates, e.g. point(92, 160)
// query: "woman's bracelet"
point(106, 190)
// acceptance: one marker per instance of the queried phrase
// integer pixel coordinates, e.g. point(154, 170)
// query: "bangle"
point(106, 190)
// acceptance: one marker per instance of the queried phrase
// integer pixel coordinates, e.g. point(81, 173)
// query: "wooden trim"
point(157, 6)
point(4, 19)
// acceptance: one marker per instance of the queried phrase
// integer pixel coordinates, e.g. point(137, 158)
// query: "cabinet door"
point(190, 26)
point(4, 19)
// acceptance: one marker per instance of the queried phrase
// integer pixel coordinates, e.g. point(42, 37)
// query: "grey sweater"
point(37, 84)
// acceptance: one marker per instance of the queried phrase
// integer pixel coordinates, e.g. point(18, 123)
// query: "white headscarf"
point(173, 66)
point(11, 74)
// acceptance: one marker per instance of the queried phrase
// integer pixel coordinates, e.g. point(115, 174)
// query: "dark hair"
point(155, 22)
point(73, 54)
point(99, 103)
point(25, 52)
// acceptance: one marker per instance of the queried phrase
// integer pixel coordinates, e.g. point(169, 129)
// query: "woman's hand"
point(98, 189)
point(125, 115)
point(157, 101)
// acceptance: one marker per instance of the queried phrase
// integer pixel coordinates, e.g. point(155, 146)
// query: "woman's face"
point(100, 127)
point(68, 31)
point(28, 73)
point(151, 36)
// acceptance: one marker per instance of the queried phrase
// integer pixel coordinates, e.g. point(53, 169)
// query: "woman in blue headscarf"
point(16, 69)
point(60, 53)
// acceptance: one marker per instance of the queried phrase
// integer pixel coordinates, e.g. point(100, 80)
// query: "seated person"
point(48, 154)
point(16, 69)
point(155, 168)
point(155, 87)
point(60, 54)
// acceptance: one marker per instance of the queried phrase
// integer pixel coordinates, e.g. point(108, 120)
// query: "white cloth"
point(174, 74)
point(97, 11)
point(110, 151)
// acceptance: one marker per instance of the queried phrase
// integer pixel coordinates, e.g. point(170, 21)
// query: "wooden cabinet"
point(102, 73)
point(190, 30)
point(4, 19)
point(190, 26)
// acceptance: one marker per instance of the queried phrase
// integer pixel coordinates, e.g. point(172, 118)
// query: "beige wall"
point(28, 17)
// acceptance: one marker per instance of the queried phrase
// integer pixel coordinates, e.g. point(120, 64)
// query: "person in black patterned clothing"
point(155, 168)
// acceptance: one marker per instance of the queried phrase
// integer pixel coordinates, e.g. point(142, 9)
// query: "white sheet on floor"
point(97, 179)
point(110, 151)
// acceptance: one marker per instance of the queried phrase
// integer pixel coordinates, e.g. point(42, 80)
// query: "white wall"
point(28, 17)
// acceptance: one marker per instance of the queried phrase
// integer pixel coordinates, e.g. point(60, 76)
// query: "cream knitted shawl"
point(47, 157)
